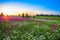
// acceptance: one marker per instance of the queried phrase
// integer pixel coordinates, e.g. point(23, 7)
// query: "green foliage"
point(30, 30)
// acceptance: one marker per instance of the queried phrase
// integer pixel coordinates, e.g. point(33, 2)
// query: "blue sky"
point(47, 4)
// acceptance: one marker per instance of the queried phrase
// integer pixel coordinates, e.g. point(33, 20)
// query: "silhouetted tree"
point(26, 15)
point(18, 14)
point(1, 14)
point(22, 14)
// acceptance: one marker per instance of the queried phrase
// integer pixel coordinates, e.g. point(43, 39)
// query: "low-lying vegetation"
point(30, 30)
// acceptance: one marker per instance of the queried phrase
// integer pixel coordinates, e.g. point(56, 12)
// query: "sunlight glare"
point(7, 11)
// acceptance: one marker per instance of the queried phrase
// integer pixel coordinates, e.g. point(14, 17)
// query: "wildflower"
point(53, 26)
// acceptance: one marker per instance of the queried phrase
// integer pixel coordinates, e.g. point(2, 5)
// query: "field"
point(33, 28)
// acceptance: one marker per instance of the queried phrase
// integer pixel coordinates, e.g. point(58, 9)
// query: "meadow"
point(33, 28)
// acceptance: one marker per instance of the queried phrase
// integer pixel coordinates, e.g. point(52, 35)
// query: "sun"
point(8, 11)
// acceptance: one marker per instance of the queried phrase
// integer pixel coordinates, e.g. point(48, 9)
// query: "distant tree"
point(1, 14)
point(33, 16)
point(26, 14)
point(18, 14)
point(22, 14)
point(51, 15)
point(37, 14)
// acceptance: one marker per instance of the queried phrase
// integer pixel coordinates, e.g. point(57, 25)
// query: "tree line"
point(23, 15)
point(47, 15)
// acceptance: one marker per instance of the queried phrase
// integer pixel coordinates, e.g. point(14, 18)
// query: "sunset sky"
point(30, 6)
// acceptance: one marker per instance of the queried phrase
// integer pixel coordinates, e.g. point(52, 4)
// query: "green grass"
point(30, 30)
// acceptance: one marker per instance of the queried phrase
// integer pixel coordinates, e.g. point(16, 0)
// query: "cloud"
point(22, 7)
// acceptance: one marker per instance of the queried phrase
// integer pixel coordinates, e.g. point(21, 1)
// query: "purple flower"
point(13, 18)
point(53, 26)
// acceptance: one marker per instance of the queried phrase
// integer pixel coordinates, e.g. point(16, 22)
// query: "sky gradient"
point(37, 6)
